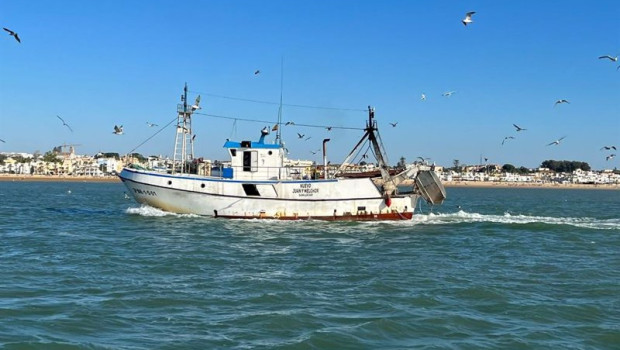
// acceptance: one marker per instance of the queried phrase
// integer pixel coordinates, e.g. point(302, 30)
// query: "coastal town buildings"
point(65, 162)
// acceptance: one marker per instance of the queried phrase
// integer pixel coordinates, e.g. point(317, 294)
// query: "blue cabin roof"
point(259, 145)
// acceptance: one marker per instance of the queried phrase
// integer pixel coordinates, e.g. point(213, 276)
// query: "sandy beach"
point(483, 184)
point(55, 178)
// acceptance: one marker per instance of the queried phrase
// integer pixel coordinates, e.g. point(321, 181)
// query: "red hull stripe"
point(364, 217)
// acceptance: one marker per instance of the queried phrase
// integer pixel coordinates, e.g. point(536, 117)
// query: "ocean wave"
point(146, 210)
point(507, 218)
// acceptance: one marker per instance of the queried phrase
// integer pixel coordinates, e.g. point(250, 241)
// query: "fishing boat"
point(260, 182)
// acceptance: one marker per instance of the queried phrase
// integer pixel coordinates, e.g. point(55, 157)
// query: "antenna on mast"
point(279, 131)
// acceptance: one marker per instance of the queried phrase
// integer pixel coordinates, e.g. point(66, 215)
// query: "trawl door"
point(250, 161)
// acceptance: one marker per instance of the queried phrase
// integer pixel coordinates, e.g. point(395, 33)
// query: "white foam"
point(146, 210)
point(507, 218)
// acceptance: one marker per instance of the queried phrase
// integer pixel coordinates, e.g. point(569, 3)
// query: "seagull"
point(607, 148)
point(151, 124)
point(560, 101)
point(507, 138)
point(308, 138)
point(257, 72)
point(423, 97)
point(329, 128)
point(518, 127)
point(1, 140)
point(393, 124)
point(118, 130)
point(556, 142)
point(301, 136)
point(467, 18)
point(448, 93)
point(611, 156)
point(486, 159)
point(315, 152)
point(194, 137)
point(64, 123)
point(196, 104)
point(613, 59)
point(424, 160)
point(12, 33)
point(289, 123)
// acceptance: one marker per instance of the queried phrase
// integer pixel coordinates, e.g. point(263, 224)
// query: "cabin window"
point(270, 153)
point(233, 152)
point(250, 190)
point(250, 161)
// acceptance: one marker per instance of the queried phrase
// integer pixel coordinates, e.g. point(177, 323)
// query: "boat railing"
point(227, 171)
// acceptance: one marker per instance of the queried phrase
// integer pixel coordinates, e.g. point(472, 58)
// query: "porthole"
point(270, 153)
point(169, 182)
point(202, 185)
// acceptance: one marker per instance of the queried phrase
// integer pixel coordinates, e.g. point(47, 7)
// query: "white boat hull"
point(331, 199)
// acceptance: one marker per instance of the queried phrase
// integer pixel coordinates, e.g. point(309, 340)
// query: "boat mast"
point(183, 137)
point(372, 134)
point(371, 127)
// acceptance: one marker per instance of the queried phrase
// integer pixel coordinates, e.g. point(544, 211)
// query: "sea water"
point(82, 267)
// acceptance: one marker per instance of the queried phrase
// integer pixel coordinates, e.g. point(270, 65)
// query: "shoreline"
point(465, 184)
point(490, 184)
point(57, 178)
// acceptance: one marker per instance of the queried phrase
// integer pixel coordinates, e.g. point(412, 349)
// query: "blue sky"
point(98, 64)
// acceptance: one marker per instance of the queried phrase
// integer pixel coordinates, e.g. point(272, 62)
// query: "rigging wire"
point(235, 119)
point(274, 122)
point(277, 103)
point(150, 137)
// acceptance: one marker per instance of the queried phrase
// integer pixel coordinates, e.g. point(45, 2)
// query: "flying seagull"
point(257, 72)
point(560, 101)
point(423, 97)
point(64, 123)
point(448, 93)
point(518, 127)
point(1, 140)
point(611, 156)
point(196, 104)
point(329, 128)
point(613, 59)
point(315, 152)
point(393, 124)
point(12, 33)
point(151, 124)
point(289, 123)
point(118, 130)
point(507, 138)
point(467, 18)
point(607, 148)
point(556, 142)
point(301, 136)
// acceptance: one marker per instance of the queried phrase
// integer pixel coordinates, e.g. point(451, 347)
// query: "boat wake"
point(148, 211)
point(507, 218)
point(460, 217)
